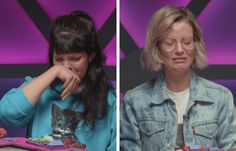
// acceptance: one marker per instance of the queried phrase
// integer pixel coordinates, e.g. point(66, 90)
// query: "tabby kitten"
point(64, 123)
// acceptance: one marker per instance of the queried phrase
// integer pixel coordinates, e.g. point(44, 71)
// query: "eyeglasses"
point(169, 44)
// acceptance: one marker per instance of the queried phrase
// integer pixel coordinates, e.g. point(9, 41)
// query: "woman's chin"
point(181, 67)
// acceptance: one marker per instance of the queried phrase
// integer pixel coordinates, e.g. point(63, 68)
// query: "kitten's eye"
point(60, 122)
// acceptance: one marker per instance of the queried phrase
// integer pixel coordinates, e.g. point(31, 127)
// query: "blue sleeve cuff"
point(15, 108)
point(22, 103)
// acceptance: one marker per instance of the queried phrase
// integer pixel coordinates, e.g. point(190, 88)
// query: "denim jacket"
point(149, 118)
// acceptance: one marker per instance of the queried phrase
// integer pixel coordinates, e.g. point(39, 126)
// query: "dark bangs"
point(71, 34)
point(66, 42)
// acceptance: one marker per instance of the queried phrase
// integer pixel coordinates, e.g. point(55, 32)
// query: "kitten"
point(64, 123)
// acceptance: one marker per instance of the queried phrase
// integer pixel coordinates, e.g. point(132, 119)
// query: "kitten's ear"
point(55, 109)
point(78, 115)
point(75, 120)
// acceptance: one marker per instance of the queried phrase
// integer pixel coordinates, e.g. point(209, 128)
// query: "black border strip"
point(197, 6)
point(127, 44)
point(22, 70)
point(108, 30)
point(37, 15)
point(137, 75)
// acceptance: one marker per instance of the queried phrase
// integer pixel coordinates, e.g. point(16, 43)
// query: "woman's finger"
point(67, 88)
point(70, 88)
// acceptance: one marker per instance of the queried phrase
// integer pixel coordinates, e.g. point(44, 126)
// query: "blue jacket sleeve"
point(15, 108)
point(227, 122)
point(129, 131)
point(112, 145)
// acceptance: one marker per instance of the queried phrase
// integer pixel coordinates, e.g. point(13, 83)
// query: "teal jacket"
point(149, 118)
point(16, 109)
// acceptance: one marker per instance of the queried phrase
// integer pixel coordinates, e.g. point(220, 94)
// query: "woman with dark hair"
point(73, 98)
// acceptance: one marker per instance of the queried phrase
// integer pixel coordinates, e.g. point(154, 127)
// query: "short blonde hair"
point(160, 24)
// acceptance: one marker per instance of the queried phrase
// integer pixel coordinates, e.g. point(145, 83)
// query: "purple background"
point(22, 43)
point(217, 21)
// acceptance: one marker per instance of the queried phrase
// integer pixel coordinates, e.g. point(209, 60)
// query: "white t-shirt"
point(181, 101)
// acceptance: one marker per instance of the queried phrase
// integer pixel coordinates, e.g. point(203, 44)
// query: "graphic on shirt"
point(64, 123)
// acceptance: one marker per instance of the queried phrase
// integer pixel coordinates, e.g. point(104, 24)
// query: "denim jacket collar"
point(159, 93)
point(197, 90)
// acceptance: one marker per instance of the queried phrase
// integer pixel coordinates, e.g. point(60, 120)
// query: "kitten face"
point(64, 123)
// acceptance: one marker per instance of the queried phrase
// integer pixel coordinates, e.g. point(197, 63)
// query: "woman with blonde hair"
point(178, 108)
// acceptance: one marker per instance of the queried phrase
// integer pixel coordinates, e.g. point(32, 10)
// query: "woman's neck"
point(177, 81)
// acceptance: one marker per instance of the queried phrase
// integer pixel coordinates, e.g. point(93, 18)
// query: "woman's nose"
point(179, 48)
point(67, 64)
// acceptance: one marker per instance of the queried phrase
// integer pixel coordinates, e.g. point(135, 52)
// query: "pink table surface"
point(21, 142)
